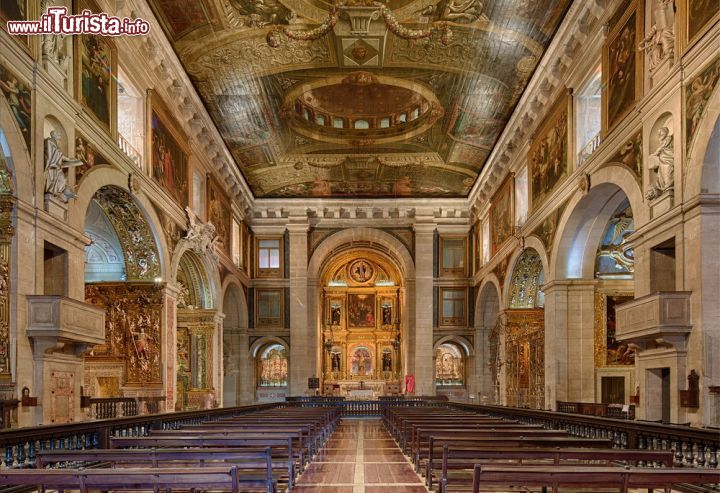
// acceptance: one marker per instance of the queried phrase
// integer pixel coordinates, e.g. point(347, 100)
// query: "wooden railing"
point(359, 408)
point(617, 411)
point(21, 445)
point(693, 447)
point(119, 407)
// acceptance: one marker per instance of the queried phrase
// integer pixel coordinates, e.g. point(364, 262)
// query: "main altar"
point(361, 327)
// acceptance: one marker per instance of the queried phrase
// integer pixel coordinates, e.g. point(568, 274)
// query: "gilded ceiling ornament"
point(439, 28)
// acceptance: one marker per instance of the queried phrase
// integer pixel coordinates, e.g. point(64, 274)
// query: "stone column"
point(569, 339)
point(485, 390)
point(423, 327)
point(556, 349)
point(169, 346)
point(303, 343)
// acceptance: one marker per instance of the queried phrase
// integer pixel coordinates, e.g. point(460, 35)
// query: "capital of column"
point(424, 228)
point(298, 228)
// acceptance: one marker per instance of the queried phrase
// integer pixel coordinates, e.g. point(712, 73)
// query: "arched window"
point(273, 366)
point(320, 120)
point(338, 122)
point(385, 122)
point(449, 366)
point(362, 124)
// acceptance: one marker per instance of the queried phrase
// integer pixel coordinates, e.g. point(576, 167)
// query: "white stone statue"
point(662, 164)
point(659, 43)
point(55, 164)
point(201, 236)
point(53, 44)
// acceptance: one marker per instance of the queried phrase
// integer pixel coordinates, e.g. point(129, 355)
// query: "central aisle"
point(360, 457)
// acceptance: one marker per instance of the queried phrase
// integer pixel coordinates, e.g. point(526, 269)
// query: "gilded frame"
point(635, 8)
point(506, 188)
point(111, 125)
point(682, 23)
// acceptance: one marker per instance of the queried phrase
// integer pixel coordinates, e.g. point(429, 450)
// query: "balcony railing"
point(588, 149)
point(130, 151)
point(663, 315)
point(118, 407)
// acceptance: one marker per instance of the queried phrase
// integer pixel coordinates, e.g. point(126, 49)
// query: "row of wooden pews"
point(257, 452)
point(459, 450)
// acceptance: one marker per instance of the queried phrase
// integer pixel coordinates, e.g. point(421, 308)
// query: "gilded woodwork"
point(525, 358)
point(607, 350)
point(361, 320)
point(7, 231)
point(133, 335)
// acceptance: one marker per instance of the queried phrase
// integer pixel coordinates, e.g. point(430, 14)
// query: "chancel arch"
point(361, 298)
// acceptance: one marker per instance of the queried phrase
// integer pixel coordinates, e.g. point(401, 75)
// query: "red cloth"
point(409, 384)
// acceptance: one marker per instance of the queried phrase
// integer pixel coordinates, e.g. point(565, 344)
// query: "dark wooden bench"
point(280, 447)
point(222, 479)
point(590, 477)
point(455, 471)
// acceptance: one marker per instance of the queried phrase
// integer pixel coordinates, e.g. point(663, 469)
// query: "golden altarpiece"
point(361, 326)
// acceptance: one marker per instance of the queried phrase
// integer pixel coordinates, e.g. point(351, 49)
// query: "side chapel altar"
point(361, 327)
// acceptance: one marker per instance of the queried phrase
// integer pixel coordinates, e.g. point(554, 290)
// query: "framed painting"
point(502, 214)
point(168, 153)
point(696, 19)
point(622, 67)
point(96, 73)
point(219, 212)
point(89, 154)
point(16, 10)
point(548, 155)
point(19, 97)
point(361, 310)
point(698, 90)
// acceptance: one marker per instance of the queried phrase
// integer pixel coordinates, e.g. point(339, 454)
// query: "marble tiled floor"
point(360, 457)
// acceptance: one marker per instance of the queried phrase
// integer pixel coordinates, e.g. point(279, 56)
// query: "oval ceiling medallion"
point(362, 108)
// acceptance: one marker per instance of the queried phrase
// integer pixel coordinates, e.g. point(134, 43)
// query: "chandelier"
point(360, 13)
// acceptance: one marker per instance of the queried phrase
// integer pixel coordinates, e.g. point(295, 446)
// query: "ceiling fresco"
point(364, 110)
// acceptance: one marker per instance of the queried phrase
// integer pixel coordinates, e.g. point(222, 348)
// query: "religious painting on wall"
point(273, 366)
point(361, 364)
point(700, 15)
point(548, 154)
point(697, 94)
point(622, 67)
point(219, 212)
point(87, 152)
point(449, 366)
point(15, 10)
point(169, 154)
point(19, 98)
point(96, 73)
point(361, 310)
point(608, 350)
point(502, 215)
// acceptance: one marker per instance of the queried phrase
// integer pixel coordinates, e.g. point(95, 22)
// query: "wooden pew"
point(457, 466)
point(590, 477)
point(280, 447)
point(223, 479)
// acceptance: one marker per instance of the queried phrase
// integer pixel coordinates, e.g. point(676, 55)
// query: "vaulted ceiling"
point(363, 110)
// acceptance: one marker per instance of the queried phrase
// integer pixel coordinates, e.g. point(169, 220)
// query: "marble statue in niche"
point(659, 43)
point(55, 164)
point(662, 164)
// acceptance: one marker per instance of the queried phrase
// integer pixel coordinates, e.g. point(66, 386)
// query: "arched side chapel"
point(517, 235)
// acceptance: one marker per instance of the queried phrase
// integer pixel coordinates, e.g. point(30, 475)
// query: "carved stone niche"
point(661, 319)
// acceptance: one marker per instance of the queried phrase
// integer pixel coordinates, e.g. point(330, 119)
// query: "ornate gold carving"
point(525, 358)
point(142, 260)
point(361, 271)
point(7, 231)
point(132, 328)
